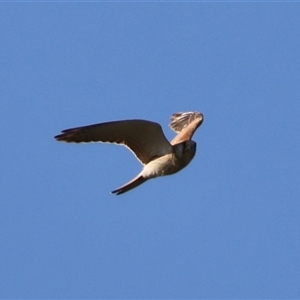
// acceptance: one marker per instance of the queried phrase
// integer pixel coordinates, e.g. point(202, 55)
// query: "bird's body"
point(147, 141)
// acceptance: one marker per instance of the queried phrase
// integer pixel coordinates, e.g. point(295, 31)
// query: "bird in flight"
point(147, 142)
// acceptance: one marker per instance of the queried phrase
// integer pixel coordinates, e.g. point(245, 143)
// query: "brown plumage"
point(147, 141)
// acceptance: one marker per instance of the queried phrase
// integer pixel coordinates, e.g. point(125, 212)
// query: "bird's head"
point(185, 152)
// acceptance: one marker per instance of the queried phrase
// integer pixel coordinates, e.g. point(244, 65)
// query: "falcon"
point(147, 141)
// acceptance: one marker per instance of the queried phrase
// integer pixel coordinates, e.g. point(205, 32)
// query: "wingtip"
point(58, 137)
point(67, 135)
point(181, 120)
point(61, 138)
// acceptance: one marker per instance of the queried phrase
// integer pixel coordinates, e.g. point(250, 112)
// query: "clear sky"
point(227, 226)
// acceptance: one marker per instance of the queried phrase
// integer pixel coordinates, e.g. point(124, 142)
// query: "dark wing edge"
point(83, 134)
point(140, 136)
point(107, 132)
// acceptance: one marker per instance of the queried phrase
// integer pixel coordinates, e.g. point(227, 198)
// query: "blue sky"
point(227, 226)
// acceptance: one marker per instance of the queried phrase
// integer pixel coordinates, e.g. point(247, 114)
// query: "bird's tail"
point(136, 181)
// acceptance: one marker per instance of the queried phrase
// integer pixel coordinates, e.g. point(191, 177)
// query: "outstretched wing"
point(144, 138)
point(185, 124)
